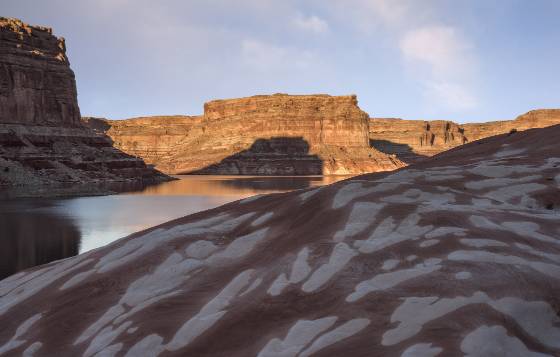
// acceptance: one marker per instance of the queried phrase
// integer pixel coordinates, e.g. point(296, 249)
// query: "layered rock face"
point(43, 141)
point(266, 135)
point(456, 255)
point(412, 140)
point(37, 86)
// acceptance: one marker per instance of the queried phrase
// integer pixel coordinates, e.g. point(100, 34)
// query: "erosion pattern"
point(412, 140)
point(456, 255)
point(267, 135)
point(42, 138)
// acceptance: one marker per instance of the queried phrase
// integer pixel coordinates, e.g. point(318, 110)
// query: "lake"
point(37, 231)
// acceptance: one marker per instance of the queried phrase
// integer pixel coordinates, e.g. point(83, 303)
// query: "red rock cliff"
point(412, 140)
point(37, 85)
point(267, 134)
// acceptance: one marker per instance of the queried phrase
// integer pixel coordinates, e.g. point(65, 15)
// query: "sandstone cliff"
point(267, 135)
point(43, 141)
point(412, 140)
point(455, 256)
point(37, 86)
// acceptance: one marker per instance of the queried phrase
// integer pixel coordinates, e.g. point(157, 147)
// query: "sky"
point(461, 60)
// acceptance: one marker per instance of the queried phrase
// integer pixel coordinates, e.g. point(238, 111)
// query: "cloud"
point(311, 23)
point(440, 47)
point(267, 57)
point(450, 95)
point(442, 60)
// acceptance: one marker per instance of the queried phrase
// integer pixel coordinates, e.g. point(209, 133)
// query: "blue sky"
point(463, 60)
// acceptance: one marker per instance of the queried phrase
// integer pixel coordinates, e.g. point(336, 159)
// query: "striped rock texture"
point(457, 255)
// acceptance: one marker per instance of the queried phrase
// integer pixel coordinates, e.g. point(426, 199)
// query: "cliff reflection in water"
point(31, 238)
point(37, 231)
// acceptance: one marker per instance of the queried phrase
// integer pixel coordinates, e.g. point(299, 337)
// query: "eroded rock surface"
point(344, 269)
point(267, 135)
point(43, 142)
point(413, 140)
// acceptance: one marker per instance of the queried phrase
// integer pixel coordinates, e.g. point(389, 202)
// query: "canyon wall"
point(413, 140)
point(266, 135)
point(37, 86)
point(43, 141)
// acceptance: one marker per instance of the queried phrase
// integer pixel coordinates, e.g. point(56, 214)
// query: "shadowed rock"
point(458, 254)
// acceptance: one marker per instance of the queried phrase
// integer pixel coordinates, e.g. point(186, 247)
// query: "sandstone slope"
point(43, 142)
point(265, 135)
point(412, 140)
point(456, 255)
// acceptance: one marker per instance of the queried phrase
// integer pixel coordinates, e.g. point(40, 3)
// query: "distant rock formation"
point(456, 255)
point(412, 140)
point(43, 141)
point(332, 129)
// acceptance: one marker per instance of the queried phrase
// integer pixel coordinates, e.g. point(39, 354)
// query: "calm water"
point(37, 231)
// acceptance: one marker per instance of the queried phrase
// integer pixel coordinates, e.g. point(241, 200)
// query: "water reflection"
point(33, 238)
point(37, 231)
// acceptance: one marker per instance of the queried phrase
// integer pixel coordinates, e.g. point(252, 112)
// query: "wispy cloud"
point(264, 56)
point(310, 23)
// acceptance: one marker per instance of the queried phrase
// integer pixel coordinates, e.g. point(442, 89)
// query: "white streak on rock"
point(37, 281)
point(262, 219)
point(507, 193)
point(428, 243)
point(340, 256)
point(422, 350)
point(463, 275)
point(411, 258)
point(32, 349)
point(495, 342)
point(255, 284)
point(388, 280)
point(537, 318)
point(386, 235)
point(15, 341)
point(341, 332)
point(149, 346)
point(300, 334)
point(110, 351)
point(414, 312)
point(353, 190)
point(443, 231)
point(362, 215)
point(278, 285)
point(240, 247)
point(550, 256)
point(105, 337)
point(201, 249)
point(529, 229)
point(499, 182)
point(210, 313)
point(551, 270)
point(479, 243)
point(390, 264)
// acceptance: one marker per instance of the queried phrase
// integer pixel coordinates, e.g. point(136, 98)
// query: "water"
point(37, 231)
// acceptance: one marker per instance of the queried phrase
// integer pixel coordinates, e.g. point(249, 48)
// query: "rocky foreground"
point(260, 135)
point(457, 255)
point(44, 145)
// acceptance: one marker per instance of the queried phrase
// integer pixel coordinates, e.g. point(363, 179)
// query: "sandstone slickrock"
point(266, 134)
point(344, 269)
point(43, 141)
point(412, 140)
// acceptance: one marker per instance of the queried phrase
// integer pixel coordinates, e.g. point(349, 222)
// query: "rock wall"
point(267, 135)
point(43, 141)
point(412, 140)
point(37, 86)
